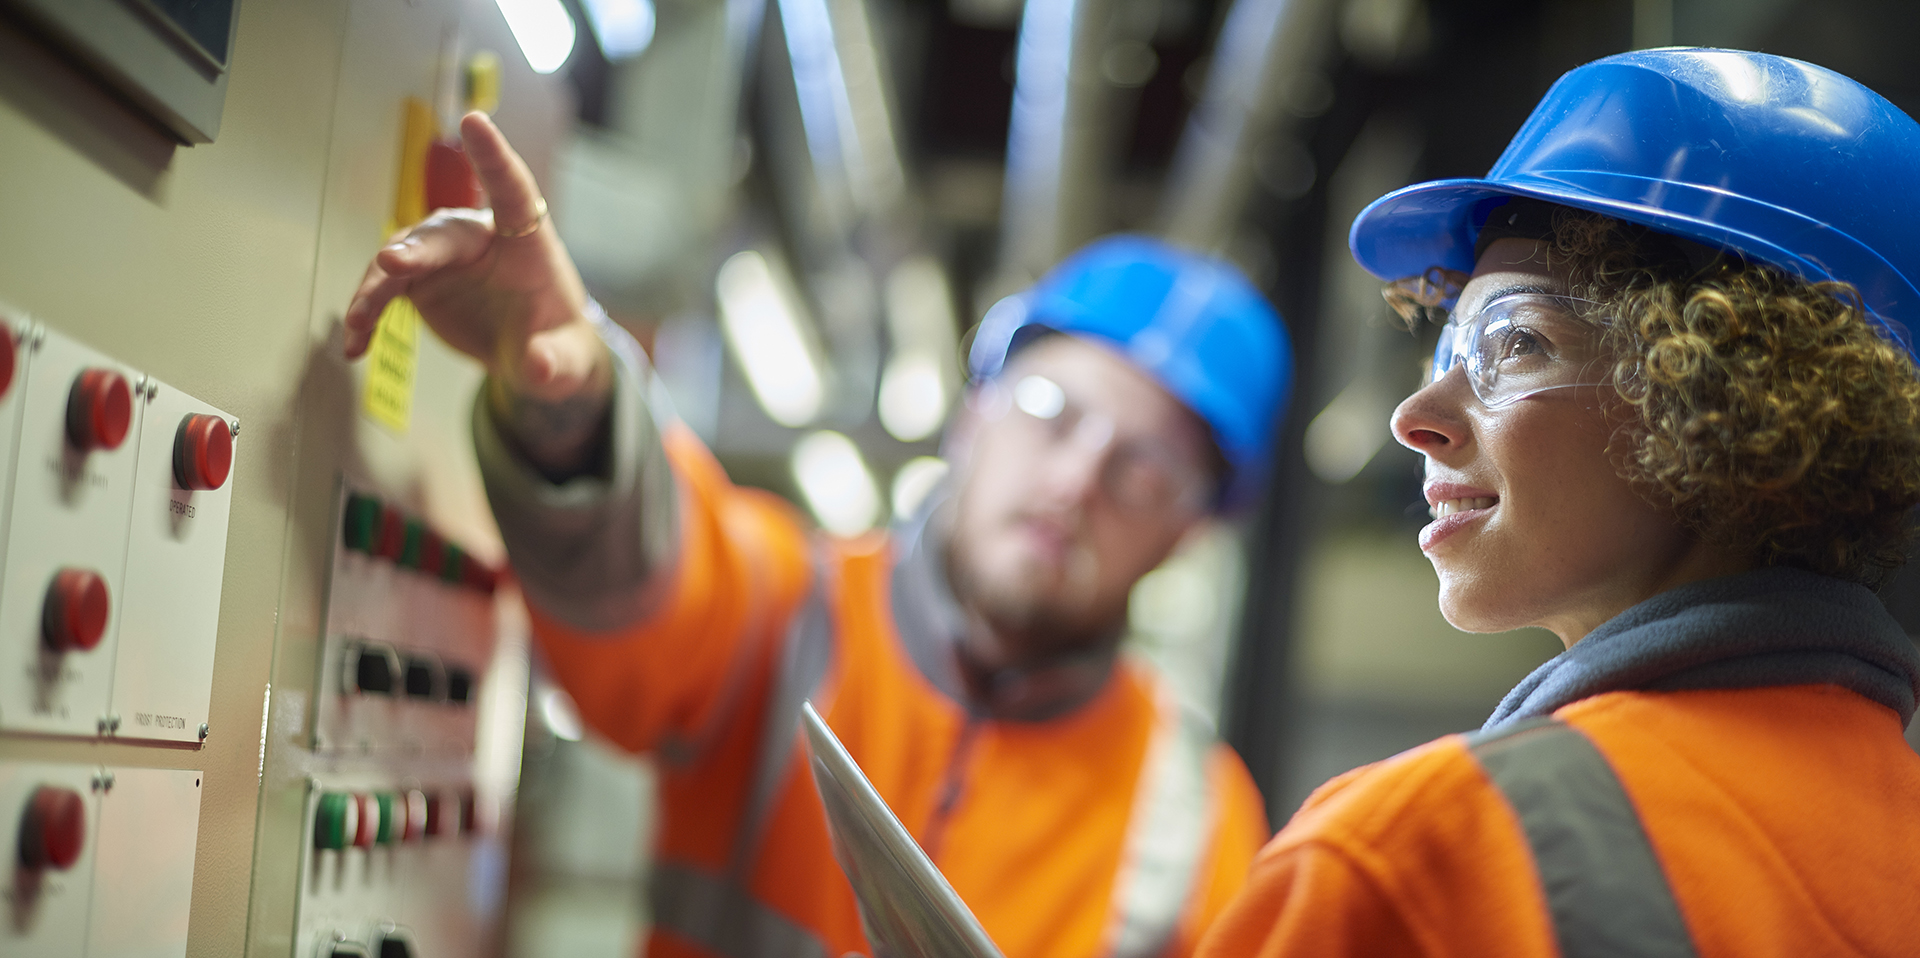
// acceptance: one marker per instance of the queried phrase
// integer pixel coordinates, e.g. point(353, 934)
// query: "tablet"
point(906, 904)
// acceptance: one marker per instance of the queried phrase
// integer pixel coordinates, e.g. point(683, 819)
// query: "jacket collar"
point(932, 624)
point(1768, 627)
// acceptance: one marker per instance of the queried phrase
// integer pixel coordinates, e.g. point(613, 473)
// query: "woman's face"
point(1535, 526)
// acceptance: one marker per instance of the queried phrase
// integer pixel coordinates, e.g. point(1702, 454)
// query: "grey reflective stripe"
point(717, 914)
point(1605, 890)
point(804, 657)
point(715, 911)
point(1167, 834)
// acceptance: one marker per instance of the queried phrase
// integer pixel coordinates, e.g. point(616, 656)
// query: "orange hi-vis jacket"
point(1784, 820)
point(1117, 828)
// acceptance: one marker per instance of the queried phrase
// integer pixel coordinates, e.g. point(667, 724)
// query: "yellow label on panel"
point(390, 364)
point(416, 135)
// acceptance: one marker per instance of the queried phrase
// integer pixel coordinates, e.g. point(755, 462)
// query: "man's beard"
point(1033, 623)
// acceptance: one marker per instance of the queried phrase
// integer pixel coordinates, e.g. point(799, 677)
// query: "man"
point(968, 662)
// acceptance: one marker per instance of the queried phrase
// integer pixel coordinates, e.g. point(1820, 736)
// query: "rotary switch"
point(99, 410)
point(53, 829)
point(74, 617)
point(202, 452)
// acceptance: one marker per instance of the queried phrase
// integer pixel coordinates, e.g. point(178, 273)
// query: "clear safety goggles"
point(1139, 473)
point(1522, 344)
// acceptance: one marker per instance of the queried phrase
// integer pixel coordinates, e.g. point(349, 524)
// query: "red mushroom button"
point(9, 359)
point(99, 410)
point(75, 615)
point(54, 829)
point(202, 452)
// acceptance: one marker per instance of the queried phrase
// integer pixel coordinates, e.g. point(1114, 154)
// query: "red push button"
point(54, 828)
point(202, 452)
point(75, 614)
point(417, 812)
point(9, 359)
point(99, 409)
point(368, 824)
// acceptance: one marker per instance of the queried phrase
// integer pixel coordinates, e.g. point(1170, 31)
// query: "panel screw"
point(113, 723)
point(203, 731)
point(233, 428)
point(106, 724)
point(103, 781)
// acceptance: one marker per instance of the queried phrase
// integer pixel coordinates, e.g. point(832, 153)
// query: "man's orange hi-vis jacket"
point(1116, 828)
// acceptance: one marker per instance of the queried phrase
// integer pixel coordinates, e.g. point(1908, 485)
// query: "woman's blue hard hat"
point(1192, 322)
point(1784, 162)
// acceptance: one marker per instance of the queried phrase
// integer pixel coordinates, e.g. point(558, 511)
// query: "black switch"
point(394, 946)
point(459, 685)
point(373, 669)
point(421, 682)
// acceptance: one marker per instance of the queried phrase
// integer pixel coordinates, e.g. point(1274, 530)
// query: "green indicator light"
point(389, 818)
point(453, 568)
point(362, 519)
point(330, 821)
point(412, 544)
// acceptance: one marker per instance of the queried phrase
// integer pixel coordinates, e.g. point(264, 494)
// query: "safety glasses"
point(1522, 344)
point(1139, 473)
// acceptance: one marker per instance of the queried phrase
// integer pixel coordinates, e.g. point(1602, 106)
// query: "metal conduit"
point(1263, 44)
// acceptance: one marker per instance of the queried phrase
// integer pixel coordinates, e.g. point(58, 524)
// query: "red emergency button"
point(9, 359)
point(75, 614)
point(202, 452)
point(54, 829)
point(99, 409)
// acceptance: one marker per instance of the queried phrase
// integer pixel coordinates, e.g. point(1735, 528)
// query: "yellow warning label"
point(391, 358)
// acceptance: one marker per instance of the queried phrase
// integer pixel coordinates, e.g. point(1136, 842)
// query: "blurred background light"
point(913, 399)
point(623, 28)
point(543, 29)
point(916, 478)
point(834, 479)
point(1348, 433)
point(922, 376)
point(766, 328)
point(557, 711)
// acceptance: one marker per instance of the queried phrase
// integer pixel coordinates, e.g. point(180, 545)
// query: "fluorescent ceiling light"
point(543, 29)
point(762, 319)
point(836, 483)
point(623, 28)
point(914, 481)
point(913, 396)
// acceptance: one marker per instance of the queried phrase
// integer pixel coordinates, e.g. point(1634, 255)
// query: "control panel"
point(102, 860)
point(401, 856)
point(117, 490)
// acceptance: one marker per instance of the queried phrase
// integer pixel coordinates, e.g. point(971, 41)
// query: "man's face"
point(1077, 474)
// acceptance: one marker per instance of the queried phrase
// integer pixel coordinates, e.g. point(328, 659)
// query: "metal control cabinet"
point(211, 279)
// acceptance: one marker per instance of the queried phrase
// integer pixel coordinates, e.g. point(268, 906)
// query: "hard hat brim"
point(1413, 229)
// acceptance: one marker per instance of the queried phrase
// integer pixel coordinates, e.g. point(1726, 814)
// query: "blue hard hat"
point(1784, 162)
point(1192, 322)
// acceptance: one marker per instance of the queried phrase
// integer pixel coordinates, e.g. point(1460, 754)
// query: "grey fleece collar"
point(931, 624)
point(1769, 627)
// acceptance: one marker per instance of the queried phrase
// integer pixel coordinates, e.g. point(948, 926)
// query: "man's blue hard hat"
point(1784, 162)
point(1192, 322)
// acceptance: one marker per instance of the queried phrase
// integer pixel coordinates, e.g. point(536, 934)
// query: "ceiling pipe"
point(1264, 46)
point(1057, 139)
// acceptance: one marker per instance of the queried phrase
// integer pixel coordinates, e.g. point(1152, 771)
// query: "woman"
point(1670, 419)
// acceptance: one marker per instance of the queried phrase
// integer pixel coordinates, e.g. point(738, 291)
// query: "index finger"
point(505, 175)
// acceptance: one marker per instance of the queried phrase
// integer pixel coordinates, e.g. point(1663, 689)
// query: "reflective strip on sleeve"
point(1606, 893)
point(1167, 835)
point(715, 911)
point(717, 914)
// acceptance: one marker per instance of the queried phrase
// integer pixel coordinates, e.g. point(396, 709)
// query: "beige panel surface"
point(222, 270)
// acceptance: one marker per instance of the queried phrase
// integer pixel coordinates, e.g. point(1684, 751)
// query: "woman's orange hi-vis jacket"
point(1116, 827)
point(1760, 757)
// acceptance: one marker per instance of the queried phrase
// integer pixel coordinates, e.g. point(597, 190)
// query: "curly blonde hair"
point(1770, 413)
